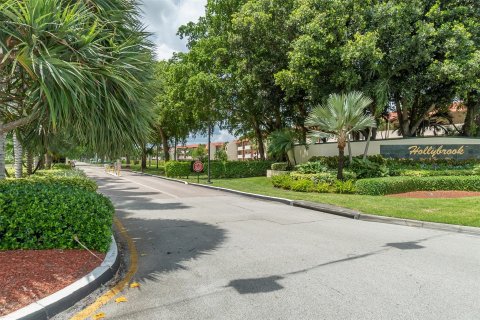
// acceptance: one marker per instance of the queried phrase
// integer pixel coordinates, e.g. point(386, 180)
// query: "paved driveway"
point(211, 255)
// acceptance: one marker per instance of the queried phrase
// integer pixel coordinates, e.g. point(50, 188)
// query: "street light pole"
point(209, 134)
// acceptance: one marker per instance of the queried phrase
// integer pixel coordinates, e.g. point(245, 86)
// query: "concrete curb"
point(68, 296)
point(339, 211)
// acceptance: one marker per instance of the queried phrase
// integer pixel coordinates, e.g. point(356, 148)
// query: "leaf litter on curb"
point(100, 315)
point(134, 285)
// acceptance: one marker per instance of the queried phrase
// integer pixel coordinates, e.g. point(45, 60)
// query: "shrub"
point(302, 185)
point(367, 169)
point(326, 177)
point(177, 169)
point(329, 162)
point(382, 186)
point(311, 167)
point(46, 214)
point(279, 166)
point(347, 186)
point(283, 181)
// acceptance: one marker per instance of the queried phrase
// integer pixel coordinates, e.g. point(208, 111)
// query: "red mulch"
point(29, 275)
point(436, 194)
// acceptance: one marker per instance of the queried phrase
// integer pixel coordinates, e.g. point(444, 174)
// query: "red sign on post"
point(198, 166)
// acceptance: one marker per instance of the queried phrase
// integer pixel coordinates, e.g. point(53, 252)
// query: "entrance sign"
point(431, 151)
point(198, 166)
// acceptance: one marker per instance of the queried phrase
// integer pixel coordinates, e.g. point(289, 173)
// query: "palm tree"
point(78, 66)
point(340, 116)
point(281, 143)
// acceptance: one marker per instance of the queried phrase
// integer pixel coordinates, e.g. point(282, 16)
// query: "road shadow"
point(164, 245)
point(269, 283)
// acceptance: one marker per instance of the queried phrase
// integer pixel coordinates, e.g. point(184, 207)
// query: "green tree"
point(341, 115)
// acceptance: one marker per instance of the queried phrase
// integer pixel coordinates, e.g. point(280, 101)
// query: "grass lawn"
point(461, 211)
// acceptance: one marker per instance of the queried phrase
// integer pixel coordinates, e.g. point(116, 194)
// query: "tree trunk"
point(29, 162)
point(341, 162)
point(365, 153)
point(473, 105)
point(166, 147)
point(127, 161)
point(143, 165)
point(18, 156)
point(2, 154)
point(349, 149)
point(48, 161)
point(158, 147)
point(261, 145)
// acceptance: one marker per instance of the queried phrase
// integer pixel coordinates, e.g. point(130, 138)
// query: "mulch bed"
point(436, 194)
point(29, 275)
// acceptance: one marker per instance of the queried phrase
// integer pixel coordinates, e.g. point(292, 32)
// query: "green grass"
point(461, 211)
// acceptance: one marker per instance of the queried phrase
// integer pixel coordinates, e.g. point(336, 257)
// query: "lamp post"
point(208, 160)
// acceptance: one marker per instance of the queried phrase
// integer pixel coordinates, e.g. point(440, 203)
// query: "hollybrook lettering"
point(433, 152)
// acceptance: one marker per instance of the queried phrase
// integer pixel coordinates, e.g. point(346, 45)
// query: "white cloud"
point(164, 17)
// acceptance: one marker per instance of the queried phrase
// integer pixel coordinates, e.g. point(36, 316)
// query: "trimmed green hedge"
point(176, 169)
point(47, 214)
point(219, 169)
point(391, 185)
point(77, 179)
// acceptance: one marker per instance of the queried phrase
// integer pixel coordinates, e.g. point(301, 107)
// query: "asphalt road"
point(205, 254)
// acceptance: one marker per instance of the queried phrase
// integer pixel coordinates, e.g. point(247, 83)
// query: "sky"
point(163, 18)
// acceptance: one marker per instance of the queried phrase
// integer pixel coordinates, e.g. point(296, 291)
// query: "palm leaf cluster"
point(85, 68)
point(341, 115)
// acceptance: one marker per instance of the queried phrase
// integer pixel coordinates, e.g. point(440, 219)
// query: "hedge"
point(219, 169)
point(288, 182)
point(75, 181)
point(391, 185)
point(280, 166)
point(177, 169)
point(47, 214)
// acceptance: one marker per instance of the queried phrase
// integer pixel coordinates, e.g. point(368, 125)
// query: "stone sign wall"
point(431, 151)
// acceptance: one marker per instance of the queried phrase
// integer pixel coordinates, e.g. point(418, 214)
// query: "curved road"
point(205, 254)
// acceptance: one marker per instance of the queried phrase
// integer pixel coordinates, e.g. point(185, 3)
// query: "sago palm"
point(341, 115)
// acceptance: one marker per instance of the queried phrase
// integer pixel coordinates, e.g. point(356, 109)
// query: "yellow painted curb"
point(107, 296)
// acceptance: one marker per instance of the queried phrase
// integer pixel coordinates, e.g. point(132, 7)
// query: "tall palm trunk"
point(2, 154)
point(341, 156)
point(48, 161)
point(18, 152)
point(29, 162)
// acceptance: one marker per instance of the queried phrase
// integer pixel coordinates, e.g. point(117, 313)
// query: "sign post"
point(198, 167)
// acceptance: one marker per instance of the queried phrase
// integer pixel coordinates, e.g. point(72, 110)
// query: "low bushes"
point(295, 183)
point(279, 166)
point(367, 169)
point(390, 185)
point(46, 213)
point(71, 178)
